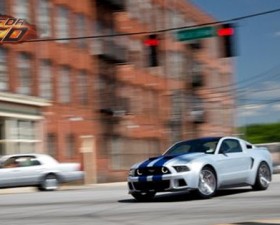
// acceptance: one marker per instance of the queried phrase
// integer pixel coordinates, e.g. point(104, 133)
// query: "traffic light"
point(152, 43)
point(226, 32)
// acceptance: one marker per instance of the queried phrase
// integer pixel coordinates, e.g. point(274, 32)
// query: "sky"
point(257, 66)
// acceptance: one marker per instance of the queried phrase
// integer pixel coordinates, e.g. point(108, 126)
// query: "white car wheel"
point(263, 177)
point(207, 183)
point(50, 183)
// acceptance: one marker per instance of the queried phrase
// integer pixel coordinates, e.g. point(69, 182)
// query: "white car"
point(204, 165)
point(39, 170)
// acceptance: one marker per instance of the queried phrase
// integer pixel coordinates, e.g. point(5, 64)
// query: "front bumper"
point(164, 183)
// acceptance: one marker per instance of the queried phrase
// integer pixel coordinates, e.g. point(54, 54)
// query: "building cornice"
point(23, 99)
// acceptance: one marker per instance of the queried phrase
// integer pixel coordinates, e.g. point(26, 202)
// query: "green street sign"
point(197, 33)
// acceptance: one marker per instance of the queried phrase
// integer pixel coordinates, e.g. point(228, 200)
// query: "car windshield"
point(203, 145)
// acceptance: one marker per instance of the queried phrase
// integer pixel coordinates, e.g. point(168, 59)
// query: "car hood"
point(169, 160)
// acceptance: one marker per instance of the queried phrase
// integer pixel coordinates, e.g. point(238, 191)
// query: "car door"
point(9, 173)
point(233, 164)
point(30, 170)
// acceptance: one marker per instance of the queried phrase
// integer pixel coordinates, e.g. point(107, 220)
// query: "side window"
point(10, 163)
point(248, 146)
point(27, 161)
point(230, 146)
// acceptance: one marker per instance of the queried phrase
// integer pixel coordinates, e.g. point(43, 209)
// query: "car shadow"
point(256, 223)
point(187, 196)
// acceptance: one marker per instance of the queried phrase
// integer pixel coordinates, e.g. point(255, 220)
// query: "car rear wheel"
point(49, 183)
point(263, 177)
point(144, 196)
point(207, 184)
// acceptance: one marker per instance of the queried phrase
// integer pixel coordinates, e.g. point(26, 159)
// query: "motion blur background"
point(94, 87)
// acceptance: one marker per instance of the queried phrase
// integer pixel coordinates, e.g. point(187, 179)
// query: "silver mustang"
point(204, 165)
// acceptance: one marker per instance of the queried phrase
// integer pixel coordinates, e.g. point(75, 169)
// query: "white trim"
point(28, 100)
point(21, 116)
point(20, 141)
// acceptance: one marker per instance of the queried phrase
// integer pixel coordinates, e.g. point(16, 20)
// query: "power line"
point(244, 89)
point(158, 31)
point(249, 80)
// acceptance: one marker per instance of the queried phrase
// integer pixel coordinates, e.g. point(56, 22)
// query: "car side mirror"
point(223, 151)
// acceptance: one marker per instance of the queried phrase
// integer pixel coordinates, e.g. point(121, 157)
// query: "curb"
point(62, 187)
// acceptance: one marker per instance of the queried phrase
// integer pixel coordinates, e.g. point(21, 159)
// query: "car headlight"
point(135, 172)
point(138, 172)
point(164, 170)
point(181, 169)
point(131, 172)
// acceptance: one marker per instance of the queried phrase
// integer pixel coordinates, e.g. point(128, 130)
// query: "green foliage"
point(261, 133)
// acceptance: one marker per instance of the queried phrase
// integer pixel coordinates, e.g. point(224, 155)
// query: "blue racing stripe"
point(142, 178)
point(145, 164)
point(157, 178)
point(160, 163)
point(163, 160)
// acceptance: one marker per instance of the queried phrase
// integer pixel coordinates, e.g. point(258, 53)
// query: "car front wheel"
point(49, 183)
point(144, 196)
point(207, 183)
point(263, 177)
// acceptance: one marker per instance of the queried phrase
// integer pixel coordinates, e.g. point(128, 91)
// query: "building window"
point(81, 29)
point(4, 76)
point(64, 85)
point(136, 53)
point(3, 7)
point(70, 145)
point(175, 65)
point(24, 74)
point(125, 152)
point(146, 11)
point(82, 87)
point(159, 18)
point(62, 23)
point(21, 10)
point(132, 6)
point(214, 81)
point(44, 19)
point(51, 144)
point(45, 80)
point(21, 136)
point(26, 129)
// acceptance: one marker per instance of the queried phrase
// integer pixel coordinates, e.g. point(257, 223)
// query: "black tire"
point(207, 184)
point(263, 177)
point(143, 196)
point(49, 183)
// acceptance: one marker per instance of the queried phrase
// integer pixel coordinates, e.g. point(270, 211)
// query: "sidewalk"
point(62, 187)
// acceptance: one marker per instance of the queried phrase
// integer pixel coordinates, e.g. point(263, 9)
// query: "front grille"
point(152, 185)
point(149, 171)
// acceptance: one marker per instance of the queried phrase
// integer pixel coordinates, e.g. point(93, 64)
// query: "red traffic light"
point(225, 30)
point(227, 35)
point(152, 40)
point(228, 31)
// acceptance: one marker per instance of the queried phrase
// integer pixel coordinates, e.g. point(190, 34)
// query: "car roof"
point(24, 154)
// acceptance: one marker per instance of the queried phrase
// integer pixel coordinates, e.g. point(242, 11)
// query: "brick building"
point(99, 101)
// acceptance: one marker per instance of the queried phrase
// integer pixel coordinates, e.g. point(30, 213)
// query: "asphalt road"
point(111, 205)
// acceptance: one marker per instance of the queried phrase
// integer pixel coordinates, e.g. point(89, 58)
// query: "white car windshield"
point(202, 145)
